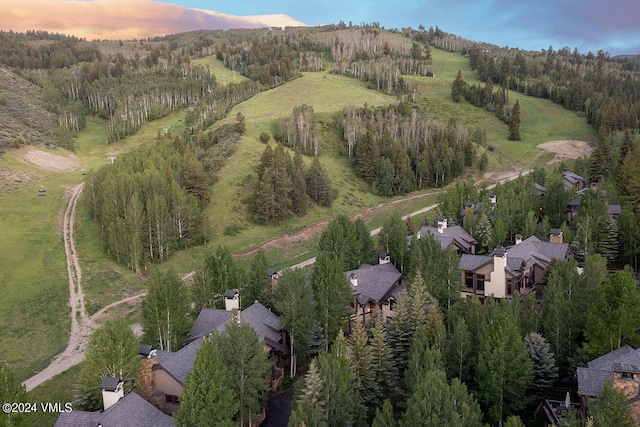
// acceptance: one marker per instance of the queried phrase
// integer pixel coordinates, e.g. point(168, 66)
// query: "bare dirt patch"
point(52, 162)
point(566, 150)
point(11, 179)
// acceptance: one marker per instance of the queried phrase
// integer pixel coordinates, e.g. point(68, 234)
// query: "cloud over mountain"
point(120, 19)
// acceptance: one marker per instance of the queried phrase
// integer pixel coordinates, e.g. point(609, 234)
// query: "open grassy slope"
point(34, 315)
point(216, 67)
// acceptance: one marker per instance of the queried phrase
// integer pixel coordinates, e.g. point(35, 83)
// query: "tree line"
point(397, 149)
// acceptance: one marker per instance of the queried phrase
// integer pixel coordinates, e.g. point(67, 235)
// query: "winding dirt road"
point(82, 325)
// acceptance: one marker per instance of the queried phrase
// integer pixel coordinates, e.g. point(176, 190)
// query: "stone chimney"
point(518, 239)
point(353, 278)
point(555, 236)
point(112, 391)
point(625, 378)
point(231, 299)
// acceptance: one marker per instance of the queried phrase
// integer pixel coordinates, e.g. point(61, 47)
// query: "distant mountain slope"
point(24, 118)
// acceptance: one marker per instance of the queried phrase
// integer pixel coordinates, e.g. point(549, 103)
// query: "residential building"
point(163, 373)
point(572, 180)
point(373, 286)
point(120, 410)
point(622, 368)
point(519, 267)
point(450, 235)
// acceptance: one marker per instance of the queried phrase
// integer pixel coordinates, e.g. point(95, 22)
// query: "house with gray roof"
point(519, 267)
point(373, 286)
point(450, 235)
point(170, 369)
point(622, 368)
point(130, 410)
point(573, 180)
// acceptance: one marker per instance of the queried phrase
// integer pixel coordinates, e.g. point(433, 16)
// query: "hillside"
point(24, 118)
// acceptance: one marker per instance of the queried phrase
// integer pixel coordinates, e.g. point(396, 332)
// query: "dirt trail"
point(81, 324)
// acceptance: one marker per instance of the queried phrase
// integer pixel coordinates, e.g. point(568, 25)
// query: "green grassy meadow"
point(34, 312)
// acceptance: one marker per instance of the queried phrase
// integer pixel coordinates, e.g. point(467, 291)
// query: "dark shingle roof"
point(109, 383)
point(614, 209)
point(452, 234)
point(591, 380)
point(262, 320)
point(131, 410)
point(470, 262)
point(230, 293)
point(178, 364)
point(145, 350)
point(208, 320)
point(375, 282)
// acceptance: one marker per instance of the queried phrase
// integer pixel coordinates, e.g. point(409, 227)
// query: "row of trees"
point(298, 131)
point(398, 149)
point(149, 202)
point(285, 186)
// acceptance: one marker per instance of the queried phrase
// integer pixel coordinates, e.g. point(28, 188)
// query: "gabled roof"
point(375, 282)
point(110, 383)
point(131, 410)
point(208, 320)
point(451, 234)
point(591, 379)
point(261, 319)
point(614, 209)
point(529, 252)
point(179, 363)
point(573, 178)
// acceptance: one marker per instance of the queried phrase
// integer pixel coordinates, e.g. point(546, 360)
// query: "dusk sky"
point(613, 26)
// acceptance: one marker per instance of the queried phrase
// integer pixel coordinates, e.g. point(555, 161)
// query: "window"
point(468, 279)
point(170, 398)
point(480, 282)
point(509, 286)
point(392, 304)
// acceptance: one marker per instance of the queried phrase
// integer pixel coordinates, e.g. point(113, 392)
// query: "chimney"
point(555, 236)
point(493, 200)
point(518, 239)
point(353, 278)
point(112, 391)
point(498, 276)
point(442, 223)
point(384, 258)
point(231, 299)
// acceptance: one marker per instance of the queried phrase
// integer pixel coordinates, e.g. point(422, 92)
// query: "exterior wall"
point(167, 384)
point(496, 284)
point(628, 385)
point(485, 271)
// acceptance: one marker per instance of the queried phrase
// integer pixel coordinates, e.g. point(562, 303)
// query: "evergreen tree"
point(365, 241)
point(164, 311)
point(258, 282)
point(293, 300)
point(458, 88)
point(361, 364)
point(367, 158)
point(298, 185)
point(341, 240)
point(318, 184)
point(218, 274)
point(608, 246)
point(393, 240)
point(610, 408)
point(386, 178)
point(11, 391)
point(382, 363)
point(545, 370)
point(205, 398)
point(615, 316)
point(514, 123)
point(601, 156)
point(504, 370)
point(384, 417)
point(247, 367)
point(332, 293)
point(309, 410)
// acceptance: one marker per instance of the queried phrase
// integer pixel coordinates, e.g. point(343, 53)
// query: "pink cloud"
point(122, 19)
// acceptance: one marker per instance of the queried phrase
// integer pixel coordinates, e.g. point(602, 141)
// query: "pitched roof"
point(375, 282)
point(573, 178)
point(179, 363)
point(110, 383)
point(614, 209)
point(262, 320)
point(470, 262)
point(451, 234)
point(208, 320)
point(591, 379)
point(131, 410)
